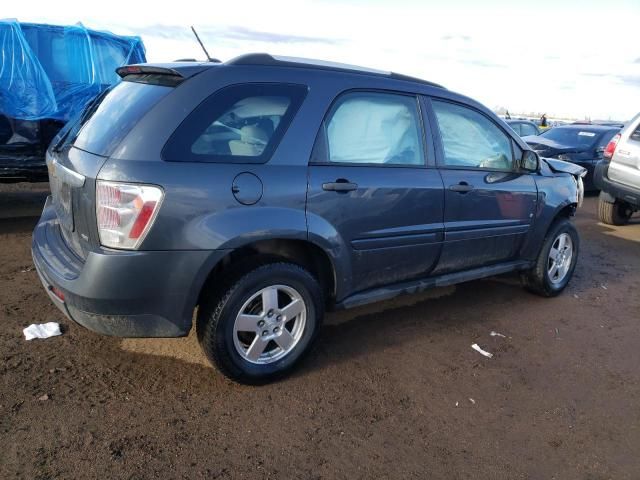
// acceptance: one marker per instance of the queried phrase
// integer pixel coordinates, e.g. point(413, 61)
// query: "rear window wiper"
point(75, 126)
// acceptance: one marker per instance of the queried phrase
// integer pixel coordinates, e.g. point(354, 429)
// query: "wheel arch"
point(543, 223)
point(566, 210)
point(300, 252)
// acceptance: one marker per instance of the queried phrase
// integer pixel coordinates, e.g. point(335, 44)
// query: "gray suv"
point(618, 176)
point(262, 191)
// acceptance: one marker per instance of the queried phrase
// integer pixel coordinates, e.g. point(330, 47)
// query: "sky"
point(578, 59)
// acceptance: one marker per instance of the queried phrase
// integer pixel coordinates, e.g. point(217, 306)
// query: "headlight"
point(565, 157)
point(125, 212)
point(580, 193)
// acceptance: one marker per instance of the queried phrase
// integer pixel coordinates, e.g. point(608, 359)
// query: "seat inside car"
point(252, 141)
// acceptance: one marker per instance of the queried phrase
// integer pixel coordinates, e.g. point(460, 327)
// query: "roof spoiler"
point(148, 69)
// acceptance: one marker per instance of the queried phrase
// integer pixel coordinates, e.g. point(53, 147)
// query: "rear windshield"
point(572, 137)
point(107, 121)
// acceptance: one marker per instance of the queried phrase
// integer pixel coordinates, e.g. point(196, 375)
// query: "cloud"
point(633, 80)
point(464, 38)
point(567, 86)
point(483, 63)
point(231, 33)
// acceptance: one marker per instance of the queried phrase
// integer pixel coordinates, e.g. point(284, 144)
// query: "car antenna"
point(209, 59)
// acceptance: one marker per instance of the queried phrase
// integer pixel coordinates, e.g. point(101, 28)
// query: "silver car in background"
point(618, 176)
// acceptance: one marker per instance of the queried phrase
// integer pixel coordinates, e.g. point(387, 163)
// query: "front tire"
point(617, 213)
point(257, 327)
point(556, 261)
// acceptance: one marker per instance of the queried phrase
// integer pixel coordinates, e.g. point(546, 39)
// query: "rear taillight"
point(611, 147)
point(125, 212)
point(57, 292)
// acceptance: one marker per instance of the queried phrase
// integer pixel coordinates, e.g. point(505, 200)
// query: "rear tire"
point(556, 261)
point(617, 213)
point(246, 328)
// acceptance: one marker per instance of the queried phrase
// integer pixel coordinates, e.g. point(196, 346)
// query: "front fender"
point(555, 194)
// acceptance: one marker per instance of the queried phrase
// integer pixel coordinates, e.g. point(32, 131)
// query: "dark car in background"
point(583, 145)
point(264, 190)
point(523, 127)
point(48, 74)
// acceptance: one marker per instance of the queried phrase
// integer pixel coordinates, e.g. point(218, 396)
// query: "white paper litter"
point(481, 351)
point(43, 330)
point(496, 334)
point(472, 400)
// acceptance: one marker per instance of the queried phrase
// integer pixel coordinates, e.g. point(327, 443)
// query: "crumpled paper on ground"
point(43, 330)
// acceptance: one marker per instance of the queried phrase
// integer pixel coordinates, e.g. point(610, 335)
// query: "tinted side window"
point(375, 128)
point(516, 127)
point(238, 124)
point(472, 140)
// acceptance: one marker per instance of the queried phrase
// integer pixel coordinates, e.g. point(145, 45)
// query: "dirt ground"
point(391, 390)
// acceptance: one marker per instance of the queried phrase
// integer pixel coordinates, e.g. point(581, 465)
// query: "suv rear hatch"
point(79, 151)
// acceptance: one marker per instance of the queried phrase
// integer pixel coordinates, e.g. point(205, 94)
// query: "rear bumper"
point(121, 293)
point(614, 189)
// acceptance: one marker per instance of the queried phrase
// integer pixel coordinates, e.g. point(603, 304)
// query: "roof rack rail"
point(276, 60)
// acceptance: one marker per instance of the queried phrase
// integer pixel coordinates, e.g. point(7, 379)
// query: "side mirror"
point(530, 161)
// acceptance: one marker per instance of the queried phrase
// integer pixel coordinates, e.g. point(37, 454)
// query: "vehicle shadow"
point(472, 308)
point(460, 310)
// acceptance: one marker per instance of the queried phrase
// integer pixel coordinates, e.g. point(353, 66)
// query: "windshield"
point(572, 137)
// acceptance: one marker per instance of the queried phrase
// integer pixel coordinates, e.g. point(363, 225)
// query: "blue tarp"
point(50, 71)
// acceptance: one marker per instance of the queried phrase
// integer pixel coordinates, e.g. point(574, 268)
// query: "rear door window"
point(238, 124)
point(371, 128)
